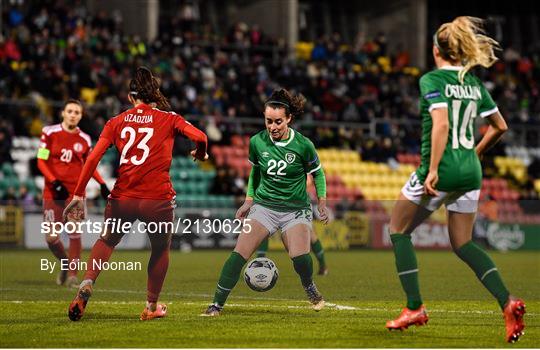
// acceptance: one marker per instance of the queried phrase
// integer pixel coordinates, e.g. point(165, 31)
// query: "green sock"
point(228, 278)
point(317, 249)
point(263, 248)
point(407, 268)
point(303, 265)
point(485, 270)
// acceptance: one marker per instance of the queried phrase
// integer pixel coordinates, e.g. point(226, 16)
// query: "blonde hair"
point(463, 40)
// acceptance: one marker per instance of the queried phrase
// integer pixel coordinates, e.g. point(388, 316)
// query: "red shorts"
point(145, 210)
point(53, 209)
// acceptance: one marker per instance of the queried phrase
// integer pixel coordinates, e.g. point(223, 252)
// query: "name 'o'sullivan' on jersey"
point(459, 169)
point(283, 167)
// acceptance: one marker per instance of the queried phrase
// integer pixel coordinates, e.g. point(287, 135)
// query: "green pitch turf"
point(362, 291)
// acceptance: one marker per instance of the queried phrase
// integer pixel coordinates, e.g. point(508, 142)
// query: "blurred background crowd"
point(58, 50)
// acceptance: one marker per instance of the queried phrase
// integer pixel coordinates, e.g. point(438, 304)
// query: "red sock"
point(157, 270)
point(101, 251)
point(57, 248)
point(74, 253)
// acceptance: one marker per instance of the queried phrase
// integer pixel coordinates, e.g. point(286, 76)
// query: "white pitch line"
point(337, 307)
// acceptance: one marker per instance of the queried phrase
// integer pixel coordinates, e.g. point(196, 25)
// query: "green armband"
point(320, 183)
point(253, 182)
point(43, 153)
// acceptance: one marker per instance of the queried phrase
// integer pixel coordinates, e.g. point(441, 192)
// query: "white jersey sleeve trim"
point(314, 170)
point(490, 112)
point(48, 130)
point(438, 105)
point(86, 137)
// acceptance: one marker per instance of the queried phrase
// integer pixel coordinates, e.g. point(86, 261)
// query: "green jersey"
point(283, 167)
point(459, 169)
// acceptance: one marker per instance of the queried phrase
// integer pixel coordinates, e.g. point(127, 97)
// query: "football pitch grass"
point(362, 292)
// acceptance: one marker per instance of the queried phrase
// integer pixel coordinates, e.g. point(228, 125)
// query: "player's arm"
point(90, 166)
point(319, 180)
point(253, 182)
point(439, 138)
point(195, 135)
point(96, 175)
point(431, 91)
point(313, 166)
point(497, 127)
point(104, 190)
point(60, 191)
point(76, 209)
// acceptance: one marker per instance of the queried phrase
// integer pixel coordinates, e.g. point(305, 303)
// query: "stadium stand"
point(229, 77)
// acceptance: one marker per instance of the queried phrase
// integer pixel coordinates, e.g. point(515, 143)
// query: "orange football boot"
point(407, 318)
point(513, 318)
point(161, 311)
point(77, 306)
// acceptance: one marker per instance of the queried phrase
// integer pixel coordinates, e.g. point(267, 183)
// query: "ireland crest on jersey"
point(290, 157)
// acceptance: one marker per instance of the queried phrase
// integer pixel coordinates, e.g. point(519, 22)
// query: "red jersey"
point(65, 154)
point(144, 136)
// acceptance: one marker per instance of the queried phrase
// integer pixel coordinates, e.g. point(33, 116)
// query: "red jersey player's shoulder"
point(176, 118)
point(168, 113)
point(86, 137)
point(51, 129)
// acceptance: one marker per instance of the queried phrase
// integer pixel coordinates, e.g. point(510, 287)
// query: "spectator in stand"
point(5, 144)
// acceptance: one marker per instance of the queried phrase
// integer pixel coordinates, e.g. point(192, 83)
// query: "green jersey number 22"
point(272, 164)
point(459, 132)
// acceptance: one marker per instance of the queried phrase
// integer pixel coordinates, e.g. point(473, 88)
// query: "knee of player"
point(111, 240)
point(52, 238)
point(394, 228)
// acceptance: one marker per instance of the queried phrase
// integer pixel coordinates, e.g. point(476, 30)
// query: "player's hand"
point(480, 155)
point(431, 182)
point(323, 211)
point(105, 191)
point(242, 212)
point(59, 190)
point(75, 211)
point(197, 155)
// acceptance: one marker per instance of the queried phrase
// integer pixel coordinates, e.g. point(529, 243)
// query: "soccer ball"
point(261, 274)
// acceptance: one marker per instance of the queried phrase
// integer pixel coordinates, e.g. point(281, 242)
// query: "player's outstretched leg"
point(157, 270)
point(486, 271)
point(460, 231)
point(227, 280)
point(263, 249)
point(101, 252)
point(407, 268)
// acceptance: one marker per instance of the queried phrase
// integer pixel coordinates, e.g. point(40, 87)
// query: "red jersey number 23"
point(130, 133)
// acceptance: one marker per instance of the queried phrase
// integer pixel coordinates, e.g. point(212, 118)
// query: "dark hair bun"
point(293, 103)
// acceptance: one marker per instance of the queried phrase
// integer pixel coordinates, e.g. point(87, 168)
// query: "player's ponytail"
point(293, 103)
point(145, 87)
point(463, 41)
